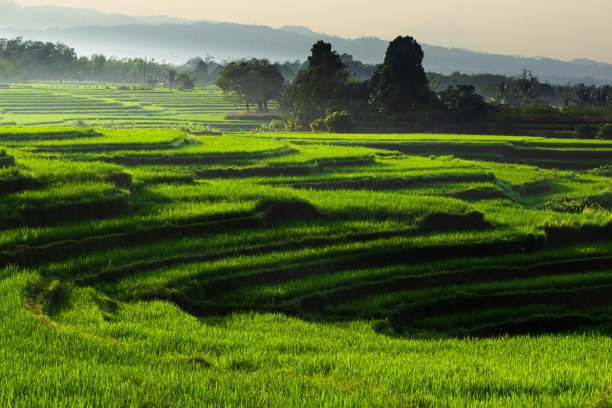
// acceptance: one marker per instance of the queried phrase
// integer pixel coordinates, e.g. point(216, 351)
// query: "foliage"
point(255, 81)
point(37, 60)
point(358, 70)
point(184, 81)
point(592, 96)
point(269, 82)
point(339, 122)
point(318, 125)
point(171, 76)
point(526, 89)
point(276, 125)
point(318, 89)
point(586, 131)
point(572, 204)
point(463, 101)
point(293, 125)
point(605, 132)
point(400, 82)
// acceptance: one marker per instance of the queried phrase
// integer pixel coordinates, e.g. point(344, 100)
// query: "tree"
point(268, 82)
point(235, 80)
point(171, 76)
point(255, 81)
point(527, 87)
point(591, 96)
point(201, 66)
point(502, 93)
point(464, 103)
point(601, 98)
point(184, 81)
point(98, 64)
point(318, 89)
point(400, 82)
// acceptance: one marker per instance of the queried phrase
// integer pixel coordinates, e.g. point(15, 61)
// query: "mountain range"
point(176, 40)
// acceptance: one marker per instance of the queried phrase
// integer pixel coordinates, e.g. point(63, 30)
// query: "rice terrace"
point(334, 243)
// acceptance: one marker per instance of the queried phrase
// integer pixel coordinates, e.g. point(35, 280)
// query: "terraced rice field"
point(159, 268)
point(117, 106)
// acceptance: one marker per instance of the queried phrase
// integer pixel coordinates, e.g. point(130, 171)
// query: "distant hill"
point(12, 15)
point(176, 40)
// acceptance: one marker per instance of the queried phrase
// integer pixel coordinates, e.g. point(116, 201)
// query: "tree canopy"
point(319, 88)
point(254, 81)
point(400, 82)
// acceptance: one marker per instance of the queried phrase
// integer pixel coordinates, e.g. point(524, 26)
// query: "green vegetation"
point(255, 81)
point(157, 267)
point(117, 106)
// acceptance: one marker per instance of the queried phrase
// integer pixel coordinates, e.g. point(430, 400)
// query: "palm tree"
point(584, 95)
point(601, 99)
point(502, 94)
point(527, 87)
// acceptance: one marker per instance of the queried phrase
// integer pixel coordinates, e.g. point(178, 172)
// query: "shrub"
point(253, 116)
point(293, 124)
point(276, 125)
point(339, 122)
point(578, 205)
point(185, 82)
point(605, 132)
point(318, 125)
point(586, 131)
point(605, 170)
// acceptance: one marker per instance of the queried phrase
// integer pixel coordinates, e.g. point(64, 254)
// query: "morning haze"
point(559, 29)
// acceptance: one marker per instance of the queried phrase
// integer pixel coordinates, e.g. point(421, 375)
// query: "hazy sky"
point(563, 29)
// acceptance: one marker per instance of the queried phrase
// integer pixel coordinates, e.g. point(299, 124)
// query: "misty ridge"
point(176, 40)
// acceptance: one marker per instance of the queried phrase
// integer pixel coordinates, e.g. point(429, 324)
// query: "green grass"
point(68, 105)
point(150, 267)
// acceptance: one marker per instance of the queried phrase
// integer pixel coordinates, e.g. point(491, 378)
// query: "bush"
point(293, 125)
point(605, 132)
point(276, 125)
point(605, 170)
point(318, 125)
point(574, 205)
point(339, 122)
point(185, 82)
point(586, 131)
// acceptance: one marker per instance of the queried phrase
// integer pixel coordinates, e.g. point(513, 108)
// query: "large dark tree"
point(320, 88)
point(400, 82)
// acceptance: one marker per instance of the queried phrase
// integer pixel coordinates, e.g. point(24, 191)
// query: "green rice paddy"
point(157, 267)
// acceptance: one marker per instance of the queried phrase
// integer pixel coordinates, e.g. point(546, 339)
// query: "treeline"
point(325, 94)
point(45, 61)
point(398, 95)
point(526, 89)
point(332, 90)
